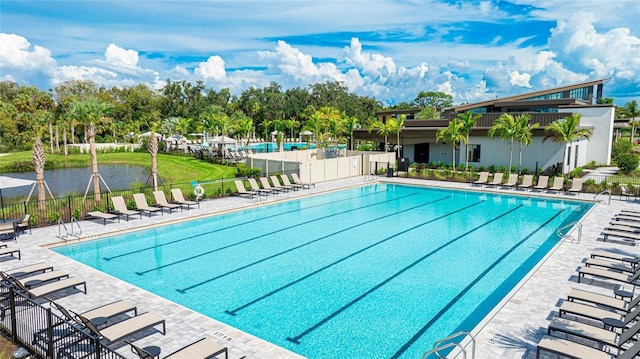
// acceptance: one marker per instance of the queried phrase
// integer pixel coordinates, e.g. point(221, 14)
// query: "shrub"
point(76, 213)
point(589, 182)
point(492, 168)
point(54, 217)
point(502, 169)
point(627, 162)
point(590, 165)
point(576, 172)
point(525, 171)
point(620, 147)
point(480, 168)
point(514, 169)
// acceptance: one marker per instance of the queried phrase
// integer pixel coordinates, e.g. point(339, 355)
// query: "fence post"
point(25, 207)
point(12, 312)
point(50, 340)
point(69, 205)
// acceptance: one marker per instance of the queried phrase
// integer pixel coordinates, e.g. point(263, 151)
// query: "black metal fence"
point(45, 334)
point(50, 211)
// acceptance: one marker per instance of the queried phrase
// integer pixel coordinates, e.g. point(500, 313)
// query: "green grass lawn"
point(172, 169)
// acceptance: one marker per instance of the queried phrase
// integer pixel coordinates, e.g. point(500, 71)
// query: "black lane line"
point(184, 290)
point(420, 332)
point(297, 338)
point(270, 233)
point(237, 309)
point(233, 226)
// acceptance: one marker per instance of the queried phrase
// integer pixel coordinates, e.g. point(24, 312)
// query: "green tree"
point(631, 111)
point(429, 113)
point(566, 131)
point(468, 120)
point(348, 125)
point(396, 125)
point(451, 134)
point(92, 111)
point(507, 128)
point(524, 134)
point(383, 129)
point(439, 100)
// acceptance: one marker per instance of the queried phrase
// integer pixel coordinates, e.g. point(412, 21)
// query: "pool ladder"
point(69, 234)
point(566, 235)
point(437, 346)
point(608, 191)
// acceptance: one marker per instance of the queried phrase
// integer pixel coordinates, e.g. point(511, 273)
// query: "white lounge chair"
point(543, 183)
point(103, 216)
point(512, 181)
point(483, 178)
point(576, 186)
point(126, 327)
point(527, 182)
point(120, 206)
point(178, 198)
point(161, 200)
point(558, 184)
point(143, 206)
point(203, 348)
point(242, 191)
point(296, 180)
point(497, 179)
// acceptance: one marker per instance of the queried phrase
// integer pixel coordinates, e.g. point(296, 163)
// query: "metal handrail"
point(448, 345)
point(603, 192)
point(455, 335)
point(60, 226)
point(74, 220)
point(577, 223)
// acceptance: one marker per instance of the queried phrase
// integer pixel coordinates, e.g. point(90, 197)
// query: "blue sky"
point(391, 49)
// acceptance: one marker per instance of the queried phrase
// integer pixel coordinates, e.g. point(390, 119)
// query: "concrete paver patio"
point(510, 331)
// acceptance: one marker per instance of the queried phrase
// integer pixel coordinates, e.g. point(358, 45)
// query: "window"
point(473, 151)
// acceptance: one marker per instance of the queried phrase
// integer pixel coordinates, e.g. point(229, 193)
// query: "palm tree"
point(153, 150)
point(631, 110)
point(525, 134)
point(92, 111)
point(566, 131)
point(41, 117)
point(507, 128)
point(468, 120)
point(383, 129)
point(451, 134)
point(396, 127)
point(349, 124)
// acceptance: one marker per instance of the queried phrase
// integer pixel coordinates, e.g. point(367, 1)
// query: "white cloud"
point(374, 65)
point(213, 68)
point(519, 79)
point(21, 61)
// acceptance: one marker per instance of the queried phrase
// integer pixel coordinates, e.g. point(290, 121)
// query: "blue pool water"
point(380, 271)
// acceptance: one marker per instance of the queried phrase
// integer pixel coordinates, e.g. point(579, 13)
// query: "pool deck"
point(510, 331)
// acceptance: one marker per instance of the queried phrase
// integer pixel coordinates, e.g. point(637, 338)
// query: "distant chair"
point(143, 206)
point(497, 180)
point(266, 185)
point(23, 225)
point(161, 200)
point(120, 206)
point(576, 185)
point(242, 191)
point(512, 181)
point(255, 187)
point(296, 180)
point(286, 187)
point(543, 183)
point(625, 192)
point(178, 198)
point(482, 179)
point(527, 182)
point(558, 184)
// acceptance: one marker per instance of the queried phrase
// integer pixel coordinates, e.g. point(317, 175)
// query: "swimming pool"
point(379, 271)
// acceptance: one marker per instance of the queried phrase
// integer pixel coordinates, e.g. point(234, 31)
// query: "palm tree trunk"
point(520, 163)
point(51, 136)
point(38, 164)
point(466, 155)
point(153, 150)
point(64, 141)
point(91, 133)
point(453, 155)
point(57, 139)
point(73, 134)
point(510, 156)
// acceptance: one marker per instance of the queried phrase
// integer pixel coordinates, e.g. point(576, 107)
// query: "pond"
point(64, 181)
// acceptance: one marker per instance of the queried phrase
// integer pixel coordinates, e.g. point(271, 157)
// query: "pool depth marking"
point(235, 225)
point(237, 309)
point(424, 328)
point(270, 233)
point(296, 339)
point(184, 290)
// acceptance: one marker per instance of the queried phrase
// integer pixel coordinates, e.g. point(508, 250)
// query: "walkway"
point(510, 331)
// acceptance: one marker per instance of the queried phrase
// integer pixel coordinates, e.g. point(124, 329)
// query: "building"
point(418, 137)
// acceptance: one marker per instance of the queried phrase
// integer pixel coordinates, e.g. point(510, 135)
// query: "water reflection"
point(66, 181)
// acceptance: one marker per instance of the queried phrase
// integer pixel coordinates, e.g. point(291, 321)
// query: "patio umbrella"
point(10, 182)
